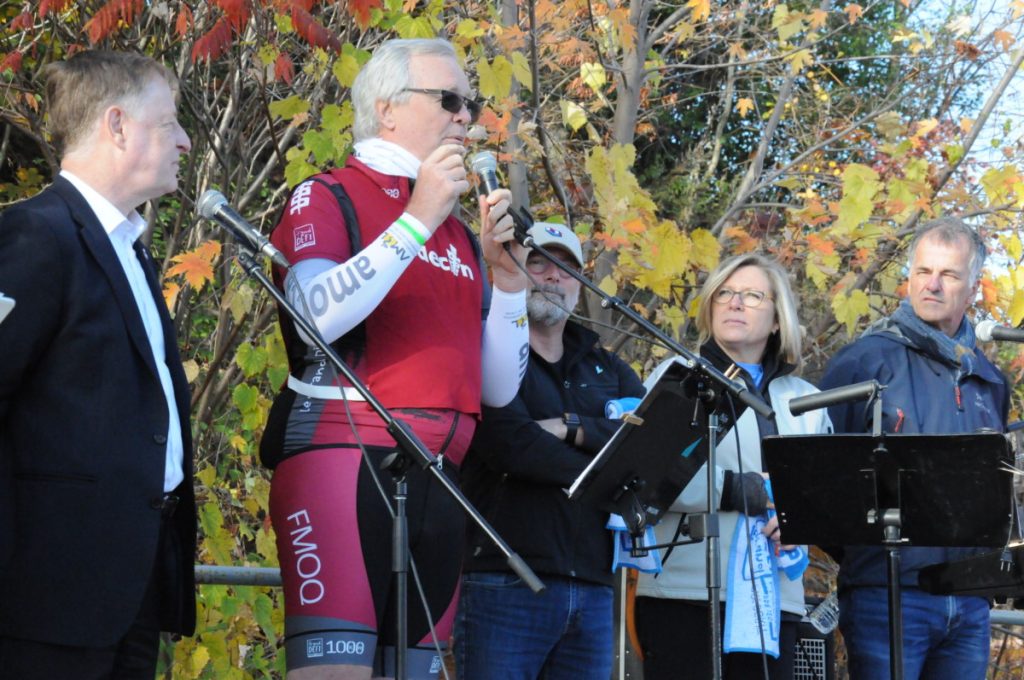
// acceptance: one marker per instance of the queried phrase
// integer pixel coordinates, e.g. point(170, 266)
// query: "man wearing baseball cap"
point(522, 457)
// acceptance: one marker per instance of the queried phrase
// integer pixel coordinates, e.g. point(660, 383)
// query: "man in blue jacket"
point(938, 382)
point(524, 455)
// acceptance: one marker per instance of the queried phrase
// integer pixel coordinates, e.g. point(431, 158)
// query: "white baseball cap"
point(550, 234)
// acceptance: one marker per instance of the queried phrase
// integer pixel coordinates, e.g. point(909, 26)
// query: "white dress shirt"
point(123, 232)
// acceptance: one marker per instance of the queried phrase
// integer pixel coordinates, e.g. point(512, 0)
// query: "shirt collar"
point(113, 220)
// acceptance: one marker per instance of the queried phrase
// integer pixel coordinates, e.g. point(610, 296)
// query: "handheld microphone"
point(485, 166)
point(988, 330)
point(213, 206)
point(839, 395)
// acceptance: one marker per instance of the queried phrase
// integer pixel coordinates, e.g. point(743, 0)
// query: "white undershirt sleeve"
point(338, 297)
point(506, 347)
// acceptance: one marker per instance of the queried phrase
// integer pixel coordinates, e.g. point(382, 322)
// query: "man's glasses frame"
point(452, 102)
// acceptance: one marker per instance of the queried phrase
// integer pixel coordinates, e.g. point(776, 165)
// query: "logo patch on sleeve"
point(304, 236)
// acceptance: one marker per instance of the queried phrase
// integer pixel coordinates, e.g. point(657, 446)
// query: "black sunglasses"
point(452, 102)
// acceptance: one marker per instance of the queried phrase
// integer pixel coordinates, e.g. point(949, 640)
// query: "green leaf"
point(245, 397)
point(860, 184)
point(289, 107)
point(216, 538)
point(849, 308)
point(251, 360)
point(345, 69)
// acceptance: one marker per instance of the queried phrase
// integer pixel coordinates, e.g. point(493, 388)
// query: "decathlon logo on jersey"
point(452, 263)
point(300, 197)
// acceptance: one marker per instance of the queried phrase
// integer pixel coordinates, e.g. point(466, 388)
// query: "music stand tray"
point(646, 464)
point(951, 489)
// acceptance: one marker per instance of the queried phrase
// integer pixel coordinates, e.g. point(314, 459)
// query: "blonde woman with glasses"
point(748, 323)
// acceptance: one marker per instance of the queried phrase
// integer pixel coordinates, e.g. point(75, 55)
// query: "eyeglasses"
point(539, 265)
point(452, 102)
point(749, 297)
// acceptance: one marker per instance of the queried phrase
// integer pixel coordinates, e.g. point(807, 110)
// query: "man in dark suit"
point(97, 513)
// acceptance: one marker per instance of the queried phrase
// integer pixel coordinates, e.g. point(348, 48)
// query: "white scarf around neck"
point(387, 158)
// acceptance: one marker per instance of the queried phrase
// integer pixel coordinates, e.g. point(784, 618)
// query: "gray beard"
point(548, 306)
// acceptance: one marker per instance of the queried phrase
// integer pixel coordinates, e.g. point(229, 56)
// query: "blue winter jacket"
point(926, 394)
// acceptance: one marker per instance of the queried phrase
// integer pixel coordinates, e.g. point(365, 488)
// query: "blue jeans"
point(503, 631)
point(944, 637)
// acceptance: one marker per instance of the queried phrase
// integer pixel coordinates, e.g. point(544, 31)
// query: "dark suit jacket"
point(83, 424)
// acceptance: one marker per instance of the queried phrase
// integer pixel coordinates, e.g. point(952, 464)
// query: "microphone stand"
point(410, 450)
point(711, 384)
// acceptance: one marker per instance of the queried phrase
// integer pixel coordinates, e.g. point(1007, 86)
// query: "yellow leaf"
point(573, 115)
point(1013, 246)
point(495, 78)
point(700, 9)
point(799, 60)
point(814, 273)
point(706, 249)
point(853, 12)
point(664, 256)
point(609, 286)
point(849, 308)
point(198, 660)
point(191, 370)
point(787, 23)
point(674, 316)
point(744, 105)
point(593, 76)
point(925, 126)
point(521, 70)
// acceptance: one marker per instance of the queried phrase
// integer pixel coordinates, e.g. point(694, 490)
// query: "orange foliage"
point(284, 69)
point(21, 22)
point(821, 245)
point(360, 11)
point(196, 265)
point(54, 6)
point(12, 61)
point(109, 16)
point(312, 32)
point(745, 243)
point(236, 11)
point(184, 22)
point(214, 42)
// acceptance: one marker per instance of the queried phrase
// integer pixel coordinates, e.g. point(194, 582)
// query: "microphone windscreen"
point(983, 331)
point(210, 202)
point(484, 161)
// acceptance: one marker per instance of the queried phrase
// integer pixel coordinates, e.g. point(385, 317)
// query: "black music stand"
point(650, 459)
point(897, 490)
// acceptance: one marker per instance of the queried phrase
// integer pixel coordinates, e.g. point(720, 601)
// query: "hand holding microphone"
point(439, 183)
point(499, 227)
